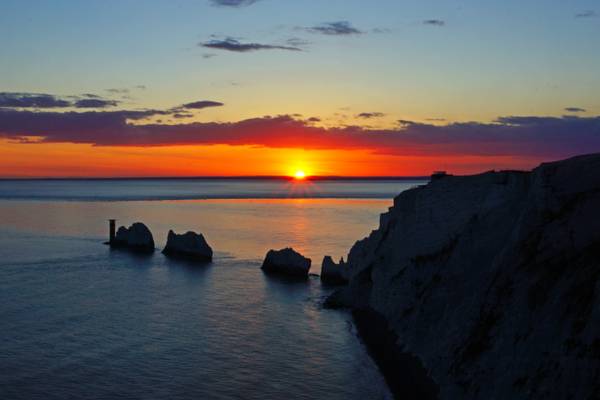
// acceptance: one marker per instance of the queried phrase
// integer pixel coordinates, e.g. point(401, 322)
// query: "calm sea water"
point(82, 321)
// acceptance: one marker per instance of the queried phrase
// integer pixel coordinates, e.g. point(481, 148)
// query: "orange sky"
point(80, 160)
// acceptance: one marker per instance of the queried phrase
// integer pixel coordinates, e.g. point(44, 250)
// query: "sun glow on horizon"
point(299, 174)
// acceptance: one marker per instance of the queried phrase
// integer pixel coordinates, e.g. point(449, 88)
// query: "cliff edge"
point(490, 283)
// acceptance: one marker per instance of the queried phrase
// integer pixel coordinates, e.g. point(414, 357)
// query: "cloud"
point(297, 42)
point(32, 100)
point(513, 136)
point(47, 101)
point(95, 103)
point(335, 28)
point(197, 105)
point(575, 109)
point(434, 22)
point(369, 115)
point(405, 122)
point(586, 14)
point(232, 3)
point(231, 44)
point(118, 90)
point(208, 55)
point(182, 115)
point(381, 30)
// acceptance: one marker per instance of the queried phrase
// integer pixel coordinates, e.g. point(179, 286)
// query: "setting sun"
point(299, 174)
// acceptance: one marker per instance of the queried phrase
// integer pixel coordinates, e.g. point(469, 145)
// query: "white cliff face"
point(189, 245)
point(492, 281)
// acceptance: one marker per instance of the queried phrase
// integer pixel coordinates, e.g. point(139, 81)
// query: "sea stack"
point(486, 286)
point(136, 238)
point(190, 245)
point(286, 262)
point(332, 273)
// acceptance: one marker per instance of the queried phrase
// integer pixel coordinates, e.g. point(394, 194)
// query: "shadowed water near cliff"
point(80, 320)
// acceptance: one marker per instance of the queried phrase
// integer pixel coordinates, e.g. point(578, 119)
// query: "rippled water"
point(200, 188)
point(82, 321)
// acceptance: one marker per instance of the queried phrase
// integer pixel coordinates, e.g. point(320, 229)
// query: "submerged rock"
point(332, 273)
point(137, 237)
point(286, 262)
point(490, 282)
point(189, 245)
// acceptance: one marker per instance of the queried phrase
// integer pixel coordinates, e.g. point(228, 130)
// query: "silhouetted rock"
point(491, 282)
point(137, 237)
point(189, 245)
point(286, 262)
point(332, 273)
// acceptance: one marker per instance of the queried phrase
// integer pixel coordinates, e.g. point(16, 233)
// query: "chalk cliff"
point(488, 283)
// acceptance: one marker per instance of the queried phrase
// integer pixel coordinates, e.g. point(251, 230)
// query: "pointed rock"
point(332, 273)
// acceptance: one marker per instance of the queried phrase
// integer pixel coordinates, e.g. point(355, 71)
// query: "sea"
point(81, 321)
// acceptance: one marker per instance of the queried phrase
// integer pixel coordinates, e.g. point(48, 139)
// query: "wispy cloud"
point(335, 28)
point(381, 30)
point(182, 115)
point(95, 103)
point(32, 100)
point(232, 3)
point(434, 22)
point(369, 115)
point(575, 109)
point(118, 90)
point(406, 123)
point(42, 100)
point(586, 14)
point(198, 105)
point(231, 44)
point(297, 42)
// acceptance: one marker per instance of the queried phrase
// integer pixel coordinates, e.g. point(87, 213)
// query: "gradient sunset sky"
point(267, 87)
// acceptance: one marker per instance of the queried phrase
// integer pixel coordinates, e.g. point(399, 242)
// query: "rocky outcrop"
point(286, 262)
point(137, 238)
point(332, 273)
point(189, 245)
point(490, 283)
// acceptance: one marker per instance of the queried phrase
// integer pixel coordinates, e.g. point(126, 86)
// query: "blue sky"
point(490, 58)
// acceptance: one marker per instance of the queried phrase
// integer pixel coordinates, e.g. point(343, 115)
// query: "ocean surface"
point(79, 320)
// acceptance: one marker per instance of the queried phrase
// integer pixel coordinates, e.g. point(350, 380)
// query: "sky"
point(269, 87)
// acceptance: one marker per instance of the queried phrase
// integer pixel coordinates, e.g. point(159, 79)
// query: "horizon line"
point(224, 177)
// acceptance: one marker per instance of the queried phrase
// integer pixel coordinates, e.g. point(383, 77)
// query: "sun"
point(299, 174)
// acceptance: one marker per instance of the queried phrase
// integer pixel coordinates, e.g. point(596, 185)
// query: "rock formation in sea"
point(189, 245)
point(286, 262)
point(486, 286)
point(137, 237)
point(332, 273)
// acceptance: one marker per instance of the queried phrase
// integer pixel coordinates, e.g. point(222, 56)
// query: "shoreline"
point(404, 374)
